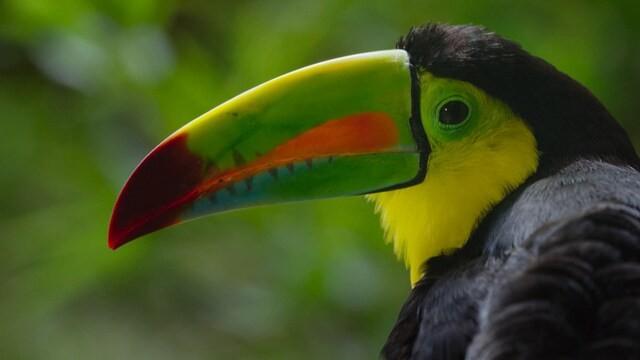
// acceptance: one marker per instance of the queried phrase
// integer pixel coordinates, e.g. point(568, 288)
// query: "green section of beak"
point(341, 127)
point(282, 108)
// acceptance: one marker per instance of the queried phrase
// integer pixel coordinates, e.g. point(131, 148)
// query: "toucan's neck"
point(438, 215)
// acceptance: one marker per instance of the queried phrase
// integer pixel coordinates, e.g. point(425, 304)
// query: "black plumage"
point(553, 271)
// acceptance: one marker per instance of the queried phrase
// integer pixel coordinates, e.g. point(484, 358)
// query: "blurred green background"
point(88, 87)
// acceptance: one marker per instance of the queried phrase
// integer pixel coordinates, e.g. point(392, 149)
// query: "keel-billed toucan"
point(510, 192)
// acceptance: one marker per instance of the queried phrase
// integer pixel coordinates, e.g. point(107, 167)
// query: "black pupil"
point(454, 112)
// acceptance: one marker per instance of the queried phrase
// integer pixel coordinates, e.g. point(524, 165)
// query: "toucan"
point(509, 191)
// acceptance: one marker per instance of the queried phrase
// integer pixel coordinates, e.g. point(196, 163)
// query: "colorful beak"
point(340, 127)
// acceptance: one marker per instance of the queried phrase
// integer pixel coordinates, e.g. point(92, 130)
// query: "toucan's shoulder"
point(578, 188)
point(597, 179)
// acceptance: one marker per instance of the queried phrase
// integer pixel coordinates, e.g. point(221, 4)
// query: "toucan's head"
point(437, 131)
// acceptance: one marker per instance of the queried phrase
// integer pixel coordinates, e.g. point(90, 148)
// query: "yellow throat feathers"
point(465, 179)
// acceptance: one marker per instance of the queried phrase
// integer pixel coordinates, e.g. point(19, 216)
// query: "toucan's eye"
point(453, 112)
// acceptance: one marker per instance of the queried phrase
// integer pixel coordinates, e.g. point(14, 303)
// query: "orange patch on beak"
point(355, 134)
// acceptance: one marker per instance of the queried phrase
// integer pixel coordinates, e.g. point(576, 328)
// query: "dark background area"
point(88, 87)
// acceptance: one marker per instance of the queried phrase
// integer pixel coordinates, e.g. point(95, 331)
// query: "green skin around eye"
point(435, 93)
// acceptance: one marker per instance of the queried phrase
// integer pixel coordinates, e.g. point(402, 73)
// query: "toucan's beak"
point(341, 127)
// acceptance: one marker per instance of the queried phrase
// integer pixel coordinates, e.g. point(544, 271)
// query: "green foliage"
point(88, 87)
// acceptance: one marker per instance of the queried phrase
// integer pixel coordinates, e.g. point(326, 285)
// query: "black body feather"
point(553, 271)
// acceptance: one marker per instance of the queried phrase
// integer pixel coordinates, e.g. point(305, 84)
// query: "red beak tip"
point(112, 245)
point(148, 199)
point(115, 241)
point(118, 236)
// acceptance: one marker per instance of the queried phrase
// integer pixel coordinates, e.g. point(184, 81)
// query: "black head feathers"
point(567, 120)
